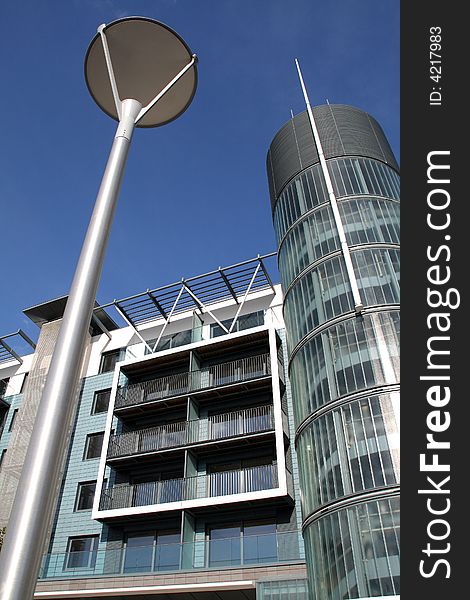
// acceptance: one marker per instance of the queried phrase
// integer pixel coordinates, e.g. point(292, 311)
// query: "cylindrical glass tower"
point(343, 354)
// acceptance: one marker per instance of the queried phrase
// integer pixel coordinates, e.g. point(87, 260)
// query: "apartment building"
point(181, 478)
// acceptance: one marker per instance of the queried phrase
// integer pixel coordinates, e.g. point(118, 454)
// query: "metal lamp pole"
point(22, 550)
point(23, 545)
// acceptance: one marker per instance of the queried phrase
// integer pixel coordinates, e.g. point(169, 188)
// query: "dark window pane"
point(224, 546)
point(82, 552)
point(167, 555)
point(85, 495)
point(243, 322)
point(217, 330)
point(109, 360)
point(170, 341)
point(259, 543)
point(139, 552)
point(13, 418)
point(93, 445)
point(101, 401)
point(3, 386)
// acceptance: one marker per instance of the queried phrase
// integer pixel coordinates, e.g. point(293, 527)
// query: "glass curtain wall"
point(343, 366)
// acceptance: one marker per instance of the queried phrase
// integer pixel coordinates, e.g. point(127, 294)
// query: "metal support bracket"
point(124, 316)
point(175, 303)
point(205, 309)
point(228, 284)
point(100, 324)
point(109, 65)
point(169, 85)
point(245, 296)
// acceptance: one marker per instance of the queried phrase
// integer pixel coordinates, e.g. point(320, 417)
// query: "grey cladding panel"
point(328, 131)
point(357, 134)
point(304, 138)
point(344, 131)
point(284, 156)
point(383, 142)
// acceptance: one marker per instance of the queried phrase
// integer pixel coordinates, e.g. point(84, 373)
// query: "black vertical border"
point(426, 128)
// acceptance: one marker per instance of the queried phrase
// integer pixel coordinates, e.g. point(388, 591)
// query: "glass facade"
point(343, 354)
point(343, 359)
point(324, 292)
point(350, 449)
point(350, 177)
point(355, 551)
point(365, 220)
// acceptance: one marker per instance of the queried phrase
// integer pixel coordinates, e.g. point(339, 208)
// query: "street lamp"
point(141, 73)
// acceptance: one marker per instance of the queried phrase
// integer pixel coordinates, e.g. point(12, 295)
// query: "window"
point(181, 338)
point(13, 418)
point(225, 546)
point(253, 319)
point(109, 360)
point(139, 552)
point(3, 386)
point(93, 444)
point(152, 551)
point(101, 401)
point(2, 456)
point(243, 543)
point(85, 495)
point(3, 417)
point(81, 552)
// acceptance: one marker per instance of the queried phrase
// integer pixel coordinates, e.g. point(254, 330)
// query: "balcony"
point(183, 433)
point(223, 483)
point(180, 384)
point(242, 551)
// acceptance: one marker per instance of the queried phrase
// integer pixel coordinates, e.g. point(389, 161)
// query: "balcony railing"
point(223, 483)
point(249, 550)
point(179, 384)
point(182, 433)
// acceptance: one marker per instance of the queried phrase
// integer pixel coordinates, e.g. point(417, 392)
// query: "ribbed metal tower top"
point(344, 131)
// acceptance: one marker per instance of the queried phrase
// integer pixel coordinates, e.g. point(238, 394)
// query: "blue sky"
point(195, 193)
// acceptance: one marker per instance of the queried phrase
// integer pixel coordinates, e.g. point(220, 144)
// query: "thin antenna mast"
point(358, 305)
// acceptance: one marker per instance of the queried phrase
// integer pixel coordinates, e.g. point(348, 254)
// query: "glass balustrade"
point(163, 554)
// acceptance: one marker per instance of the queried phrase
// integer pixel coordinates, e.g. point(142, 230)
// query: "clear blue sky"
point(195, 193)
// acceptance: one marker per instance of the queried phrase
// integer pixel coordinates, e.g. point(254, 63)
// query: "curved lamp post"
point(141, 73)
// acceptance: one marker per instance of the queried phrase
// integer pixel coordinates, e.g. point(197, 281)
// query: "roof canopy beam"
point(157, 304)
point(228, 284)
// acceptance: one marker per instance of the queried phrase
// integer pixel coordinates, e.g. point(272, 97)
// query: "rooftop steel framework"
point(197, 293)
point(7, 353)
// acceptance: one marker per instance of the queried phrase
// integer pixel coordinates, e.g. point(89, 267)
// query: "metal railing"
point(247, 550)
point(227, 373)
point(222, 483)
point(182, 433)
